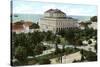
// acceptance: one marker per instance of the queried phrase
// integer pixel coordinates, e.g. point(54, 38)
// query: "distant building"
point(93, 25)
point(21, 26)
point(83, 25)
point(56, 20)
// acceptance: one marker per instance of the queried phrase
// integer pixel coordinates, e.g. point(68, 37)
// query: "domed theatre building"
point(55, 20)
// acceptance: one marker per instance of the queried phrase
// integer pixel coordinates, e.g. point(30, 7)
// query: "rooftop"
point(54, 11)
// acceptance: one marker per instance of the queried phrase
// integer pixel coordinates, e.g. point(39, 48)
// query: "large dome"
point(54, 13)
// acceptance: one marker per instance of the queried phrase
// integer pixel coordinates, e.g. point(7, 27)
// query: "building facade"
point(56, 20)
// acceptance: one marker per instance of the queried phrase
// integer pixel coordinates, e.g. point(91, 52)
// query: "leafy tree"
point(78, 42)
point(44, 61)
point(34, 26)
point(21, 53)
point(20, 40)
point(63, 42)
point(38, 49)
point(62, 32)
point(57, 41)
point(90, 56)
point(68, 34)
point(95, 47)
point(49, 36)
point(30, 41)
point(89, 42)
point(93, 19)
point(82, 58)
point(36, 37)
point(88, 31)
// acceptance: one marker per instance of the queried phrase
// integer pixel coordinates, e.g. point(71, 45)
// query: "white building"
point(56, 20)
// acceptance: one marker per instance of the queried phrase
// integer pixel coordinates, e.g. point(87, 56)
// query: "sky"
point(34, 7)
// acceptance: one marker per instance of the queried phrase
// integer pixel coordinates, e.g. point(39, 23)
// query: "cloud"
point(40, 7)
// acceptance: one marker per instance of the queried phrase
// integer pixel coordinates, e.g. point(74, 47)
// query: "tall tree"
point(63, 42)
point(93, 19)
point(34, 26)
point(21, 53)
point(57, 41)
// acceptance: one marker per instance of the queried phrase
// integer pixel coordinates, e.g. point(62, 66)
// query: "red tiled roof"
point(17, 27)
point(49, 10)
point(20, 25)
point(28, 23)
